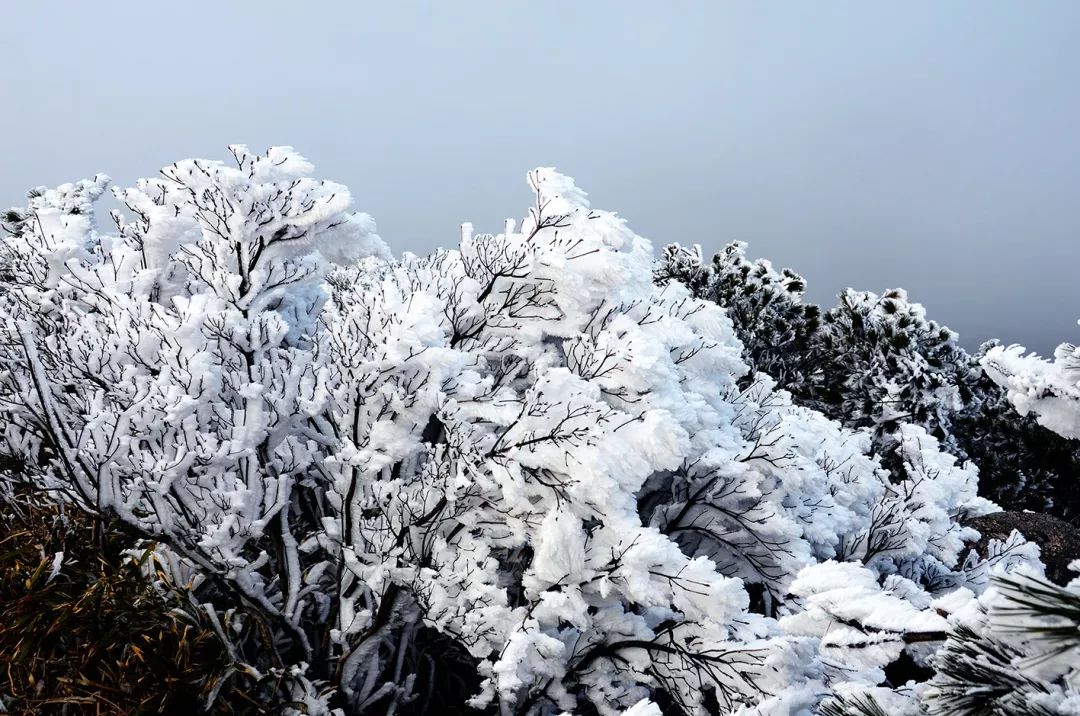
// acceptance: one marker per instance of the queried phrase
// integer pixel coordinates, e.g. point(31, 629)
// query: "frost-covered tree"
point(1026, 433)
point(765, 305)
point(1015, 650)
point(883, 360)
point(520, 466)
point(1022, 464)
point(887, 363)
point(874, 361)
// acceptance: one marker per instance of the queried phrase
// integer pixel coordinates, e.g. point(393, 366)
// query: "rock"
point(1058, 540)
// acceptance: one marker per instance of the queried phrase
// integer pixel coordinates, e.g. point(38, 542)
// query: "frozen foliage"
point(1048, 389)
point(765, 306)
point(521, 462)
point(875, 361)
point(1017, 650)
point(1013, 652)
point(889, 364)
point(872, 361)
point(1027, 429)
point(860, 626)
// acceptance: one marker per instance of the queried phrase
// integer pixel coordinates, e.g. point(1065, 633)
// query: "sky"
point(933, 146)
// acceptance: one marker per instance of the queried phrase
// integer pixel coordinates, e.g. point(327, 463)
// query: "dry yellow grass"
point(96, 638)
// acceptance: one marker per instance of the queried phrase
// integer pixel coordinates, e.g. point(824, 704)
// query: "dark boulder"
point(1058, 540)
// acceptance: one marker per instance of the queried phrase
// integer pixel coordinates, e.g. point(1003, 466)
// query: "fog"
point(927, 145)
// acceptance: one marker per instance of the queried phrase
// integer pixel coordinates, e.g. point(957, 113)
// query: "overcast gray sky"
point(929, 145)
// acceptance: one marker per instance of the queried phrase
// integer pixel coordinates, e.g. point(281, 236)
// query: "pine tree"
point(1016, 654)
point(1022, 464)
point(877, 361)
point(776, 328)
point(885, 363)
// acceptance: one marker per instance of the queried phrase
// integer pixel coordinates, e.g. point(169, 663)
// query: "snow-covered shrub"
point(1017, 650)
point(888, 363)
point(521, 459)
point(1021, 463)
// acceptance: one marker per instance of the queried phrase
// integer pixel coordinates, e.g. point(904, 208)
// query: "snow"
point(1049, 389)
point(522, 443)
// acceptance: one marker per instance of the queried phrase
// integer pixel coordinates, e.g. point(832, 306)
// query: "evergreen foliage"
point(875, 361)
point(1018, 652)
point(765, 306)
